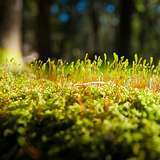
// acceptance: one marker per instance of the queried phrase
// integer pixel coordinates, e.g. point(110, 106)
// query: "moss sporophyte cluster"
point(81, 110)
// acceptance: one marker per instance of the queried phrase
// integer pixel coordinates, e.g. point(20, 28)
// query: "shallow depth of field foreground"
point(84, 110)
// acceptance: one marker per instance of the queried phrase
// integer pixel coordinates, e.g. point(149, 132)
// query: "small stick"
point(90, 83)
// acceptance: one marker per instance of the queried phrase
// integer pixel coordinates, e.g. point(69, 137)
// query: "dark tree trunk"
point(95, 24)
point(144, 27)
point(10, 31)
point(43, 30)
point(124, 35)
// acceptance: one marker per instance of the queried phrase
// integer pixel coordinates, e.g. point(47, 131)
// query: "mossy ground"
point(82, 110)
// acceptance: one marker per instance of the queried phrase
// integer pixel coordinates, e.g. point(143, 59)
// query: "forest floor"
point(82, 110)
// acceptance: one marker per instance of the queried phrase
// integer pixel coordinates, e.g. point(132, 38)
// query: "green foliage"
point(81, 110)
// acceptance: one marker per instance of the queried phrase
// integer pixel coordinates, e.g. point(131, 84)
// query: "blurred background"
point(69, 29)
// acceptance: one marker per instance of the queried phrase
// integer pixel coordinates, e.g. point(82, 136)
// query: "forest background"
point(68, 29)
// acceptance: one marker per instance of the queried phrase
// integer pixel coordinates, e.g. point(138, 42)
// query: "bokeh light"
point(64, 17)
point(81, 5)
point(115, 21)
point(110, 8)
point(54, 9)
point(158, 9)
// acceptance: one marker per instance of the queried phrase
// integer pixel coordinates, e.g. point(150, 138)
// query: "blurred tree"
point(145, 29)
point(95, 25)
point(43, 30)
point(68, 29)
point(29, 29)
point(143, 16)
point(1, 15)
point(148, 35)
point(124, 35)
point(10, 31)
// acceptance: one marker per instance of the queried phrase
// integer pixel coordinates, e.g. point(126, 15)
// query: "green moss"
point(69, 117)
